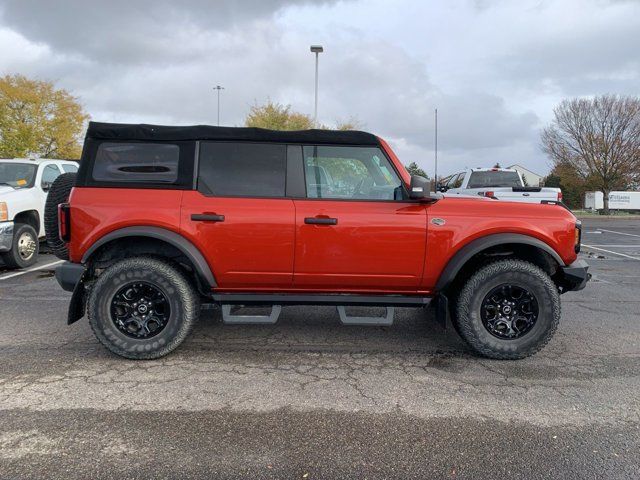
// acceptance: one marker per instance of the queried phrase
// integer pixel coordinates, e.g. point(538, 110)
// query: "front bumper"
point(68, 275)
point(6, 236)
point(575, 276)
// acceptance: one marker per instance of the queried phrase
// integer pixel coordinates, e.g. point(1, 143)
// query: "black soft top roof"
point(123, 131)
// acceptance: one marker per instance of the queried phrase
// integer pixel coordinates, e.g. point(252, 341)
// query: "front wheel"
point(508, 309)
point(142, 308)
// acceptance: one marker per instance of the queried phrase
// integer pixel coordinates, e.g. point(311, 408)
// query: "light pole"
point(316, 49)
point(218, 88)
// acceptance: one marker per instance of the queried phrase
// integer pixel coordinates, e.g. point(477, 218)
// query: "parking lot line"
point(613, 253)
point(617, 246)
point(34, 269)
point(619, 233)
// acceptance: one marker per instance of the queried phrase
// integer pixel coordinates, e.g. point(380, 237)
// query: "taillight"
point(489, 194)
point(559, 196)
point(64, 222)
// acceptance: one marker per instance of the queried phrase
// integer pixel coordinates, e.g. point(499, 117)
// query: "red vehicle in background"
point(160, 220)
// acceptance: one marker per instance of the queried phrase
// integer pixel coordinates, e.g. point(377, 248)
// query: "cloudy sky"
point(494, 69)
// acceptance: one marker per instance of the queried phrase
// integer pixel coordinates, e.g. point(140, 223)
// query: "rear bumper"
point(68, 275)
point(6, 236)
point(575, 276)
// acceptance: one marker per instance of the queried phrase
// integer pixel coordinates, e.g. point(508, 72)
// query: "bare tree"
point(599, 138)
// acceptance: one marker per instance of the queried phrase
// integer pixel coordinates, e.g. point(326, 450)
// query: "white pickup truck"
point(24, 184)
point(500, 183)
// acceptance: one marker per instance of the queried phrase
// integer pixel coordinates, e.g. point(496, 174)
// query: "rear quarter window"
point(150, 163)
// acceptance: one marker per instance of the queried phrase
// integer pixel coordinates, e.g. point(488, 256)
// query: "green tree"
point(414, 169)
point(38, 120)
point(573, 186)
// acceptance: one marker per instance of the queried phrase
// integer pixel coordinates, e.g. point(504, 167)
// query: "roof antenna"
point(435, 175)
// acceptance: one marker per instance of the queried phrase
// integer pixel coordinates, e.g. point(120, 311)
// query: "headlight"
point(4, 213)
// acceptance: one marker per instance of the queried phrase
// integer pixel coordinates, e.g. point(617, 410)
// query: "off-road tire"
point(58, 193)
point(178, 289)
point(12, 258)
point(468, 309)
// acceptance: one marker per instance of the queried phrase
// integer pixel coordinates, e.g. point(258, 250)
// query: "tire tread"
point(190, 303)
point(58, 193)
point(464, 326)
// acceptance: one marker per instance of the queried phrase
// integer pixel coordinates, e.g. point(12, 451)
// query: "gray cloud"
point(140, 31)
point(493, 68)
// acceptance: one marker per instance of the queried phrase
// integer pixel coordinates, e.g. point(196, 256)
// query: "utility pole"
point(435, 175)
point(218, 88)
point(317, 49)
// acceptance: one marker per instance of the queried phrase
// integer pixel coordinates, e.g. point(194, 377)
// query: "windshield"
point(494, 179)
point(17, 175)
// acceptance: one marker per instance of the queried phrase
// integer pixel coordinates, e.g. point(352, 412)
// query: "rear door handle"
point(320, 221)
point(207, 217)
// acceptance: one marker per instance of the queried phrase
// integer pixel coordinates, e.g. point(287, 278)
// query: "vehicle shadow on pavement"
point(310, 329)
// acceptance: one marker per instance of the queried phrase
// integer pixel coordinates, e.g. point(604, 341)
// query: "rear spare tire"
point(58, 193)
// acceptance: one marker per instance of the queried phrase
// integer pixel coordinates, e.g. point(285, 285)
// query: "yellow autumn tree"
point(276, 116)
point(38, 120)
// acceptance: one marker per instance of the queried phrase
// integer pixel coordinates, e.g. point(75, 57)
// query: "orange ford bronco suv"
point(160, 221)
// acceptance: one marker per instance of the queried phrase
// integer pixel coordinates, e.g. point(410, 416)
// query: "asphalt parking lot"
point(309, 398)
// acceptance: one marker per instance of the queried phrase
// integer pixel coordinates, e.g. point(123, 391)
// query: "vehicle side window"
point(458, 180)
point(69, 168)
point(49, 174)
point(242, 169)
point(136, 162)
point(451, 180)
point(350, 173)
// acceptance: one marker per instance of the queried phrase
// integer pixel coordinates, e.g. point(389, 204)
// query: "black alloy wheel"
point(140, 310)
point(509, 311)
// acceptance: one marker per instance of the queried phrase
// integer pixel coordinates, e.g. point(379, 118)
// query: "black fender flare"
point(185, 246)
point(463, 255)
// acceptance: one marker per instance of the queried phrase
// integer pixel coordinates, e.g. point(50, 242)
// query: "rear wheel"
point(24, 249)
point(58, 193)
point(142, 308)
point(508, 309)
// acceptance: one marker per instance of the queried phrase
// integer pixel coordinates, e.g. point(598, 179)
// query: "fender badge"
point(438, 221)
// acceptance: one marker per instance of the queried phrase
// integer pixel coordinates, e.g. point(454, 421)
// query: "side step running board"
point(231, 319)
point(387, 320)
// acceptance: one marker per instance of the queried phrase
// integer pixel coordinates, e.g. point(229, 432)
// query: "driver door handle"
point(320, 221)
point(207, 217)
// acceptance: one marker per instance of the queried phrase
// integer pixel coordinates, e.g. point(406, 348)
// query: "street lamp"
point(316, 49)
point(218, 88)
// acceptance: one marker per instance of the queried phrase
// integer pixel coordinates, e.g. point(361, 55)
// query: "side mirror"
point(419, 188)
point(442, 188)
point(46, 186)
